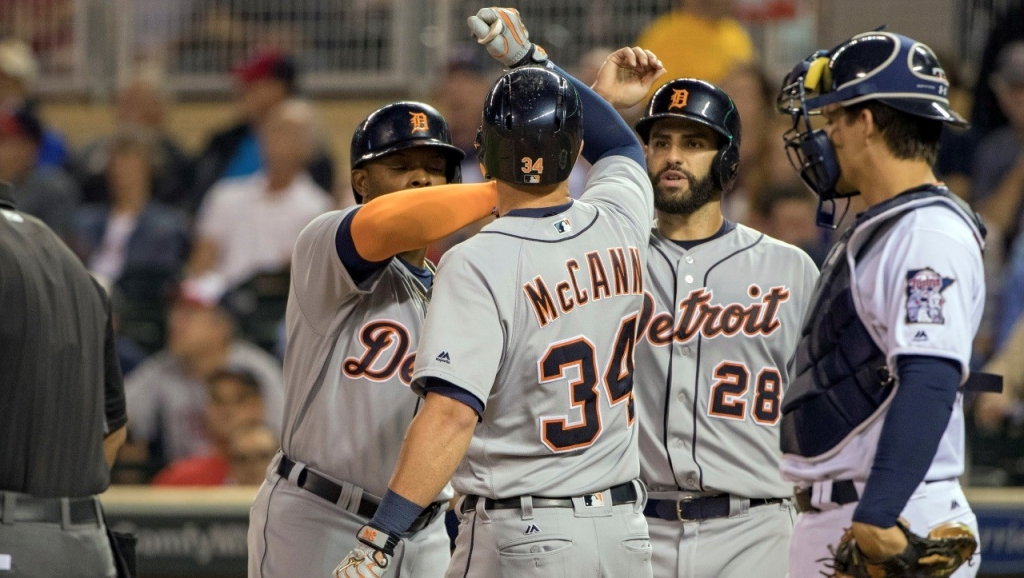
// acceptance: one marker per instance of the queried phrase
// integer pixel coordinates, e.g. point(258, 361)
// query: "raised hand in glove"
point(627, 75)
point(939, 555)
point(369, 559)
point(501, 30)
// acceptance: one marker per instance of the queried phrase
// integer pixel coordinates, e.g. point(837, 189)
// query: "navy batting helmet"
point(892, 69)
point(403, 125)
point(532, 128)
point(704, 103)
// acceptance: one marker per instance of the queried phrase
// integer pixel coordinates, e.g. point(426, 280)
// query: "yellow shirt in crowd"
point(692, 47)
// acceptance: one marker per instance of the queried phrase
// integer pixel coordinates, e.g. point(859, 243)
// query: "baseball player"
point(526, 359)
point(872, 424)
point(714, 351)
point(358, 298)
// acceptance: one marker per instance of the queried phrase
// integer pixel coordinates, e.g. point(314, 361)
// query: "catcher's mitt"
point(940, 554)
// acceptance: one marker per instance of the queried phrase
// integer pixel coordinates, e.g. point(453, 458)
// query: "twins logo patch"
point(924, 295)
point(562, 226)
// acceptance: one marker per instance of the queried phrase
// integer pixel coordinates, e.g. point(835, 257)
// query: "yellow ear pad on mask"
point(819, 77)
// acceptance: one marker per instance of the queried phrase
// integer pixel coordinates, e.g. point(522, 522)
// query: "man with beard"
point(715, 346)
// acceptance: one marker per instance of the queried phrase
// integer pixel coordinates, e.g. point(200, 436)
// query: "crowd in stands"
point(195, 245)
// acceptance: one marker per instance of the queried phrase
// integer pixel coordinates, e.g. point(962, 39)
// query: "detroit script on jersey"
point(697, 314)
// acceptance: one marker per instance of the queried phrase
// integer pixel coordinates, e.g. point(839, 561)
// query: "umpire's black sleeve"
point(113, 382)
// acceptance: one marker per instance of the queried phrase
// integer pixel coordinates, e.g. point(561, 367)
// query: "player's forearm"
point(914, 425)
point(436, 442)
point(1001, 208)
point(112, 443)
point(412, 219)
point(604, 131)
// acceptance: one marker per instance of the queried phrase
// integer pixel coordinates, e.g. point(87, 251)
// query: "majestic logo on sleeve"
point(924, 295)
point(386, 352)
point(697, 314)
point(418, 120)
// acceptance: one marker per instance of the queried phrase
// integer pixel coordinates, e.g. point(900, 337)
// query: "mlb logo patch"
point(563, 226)
point(531, 179)
point(593, 500)
point(924, 296)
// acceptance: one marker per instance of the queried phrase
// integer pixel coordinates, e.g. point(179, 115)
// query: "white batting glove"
point(363, 562)
point(502, 31)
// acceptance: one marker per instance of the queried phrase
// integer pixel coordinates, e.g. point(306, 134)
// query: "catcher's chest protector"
point(841, 377)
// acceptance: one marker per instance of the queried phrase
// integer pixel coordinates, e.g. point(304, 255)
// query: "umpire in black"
point(62, 408)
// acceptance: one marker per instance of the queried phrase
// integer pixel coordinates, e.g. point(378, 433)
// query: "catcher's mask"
point(889, 68)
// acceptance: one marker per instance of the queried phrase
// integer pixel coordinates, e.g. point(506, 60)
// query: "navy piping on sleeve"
point(358, 268)
point(452, 391)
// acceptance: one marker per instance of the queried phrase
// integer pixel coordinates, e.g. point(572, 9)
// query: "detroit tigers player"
point(531, 331)
point(717, 337)
point(872, 424)
point(353, 319)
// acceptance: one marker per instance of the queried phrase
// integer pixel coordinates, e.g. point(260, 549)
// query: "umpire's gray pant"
point(600, 542)
point(30, 548)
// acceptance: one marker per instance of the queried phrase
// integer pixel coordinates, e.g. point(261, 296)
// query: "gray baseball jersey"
point(718, 335)
point(536, 317)
point(349, 361)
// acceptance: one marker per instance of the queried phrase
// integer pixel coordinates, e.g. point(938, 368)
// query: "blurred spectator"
point(1011, 305)
point(250, 452)
point(699, 39)
point(957, 147)
point(986, 113)
point(788, 213)
point(262, 84)
point(748, 86)
point(139, 104)
point(46, 192)
point(131, 231)
point(18, 71)
point(467, 77)
point(167, 394)
point(233, 404)
point(998, 186)
point(249, 225)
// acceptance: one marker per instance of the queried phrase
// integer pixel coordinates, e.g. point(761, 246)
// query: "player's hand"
point(879, 543)
point(502, 31)
point(363, 562)
point(991, 409)
point(627, 75)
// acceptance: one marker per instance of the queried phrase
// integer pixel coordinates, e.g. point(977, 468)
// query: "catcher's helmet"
point(705, 103)
point(892, 69)
point(403, 125)
point(532, 128)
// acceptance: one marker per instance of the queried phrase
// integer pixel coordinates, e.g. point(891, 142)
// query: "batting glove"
point(501, 30)
point(371, 558)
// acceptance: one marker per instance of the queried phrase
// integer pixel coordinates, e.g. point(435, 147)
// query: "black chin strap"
point(827, 217)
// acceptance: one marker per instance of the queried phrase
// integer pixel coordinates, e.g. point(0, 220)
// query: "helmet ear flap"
point(726, 166)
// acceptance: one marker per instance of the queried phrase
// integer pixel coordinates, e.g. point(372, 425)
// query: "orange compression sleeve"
point(414, 218)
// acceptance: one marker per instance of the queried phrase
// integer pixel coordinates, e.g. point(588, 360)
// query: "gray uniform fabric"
point(347, 407)
point(535, 316)
point(61, 393)
point(712, 364)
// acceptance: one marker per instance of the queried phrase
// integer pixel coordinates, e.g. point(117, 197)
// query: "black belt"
point(843, 492)
point(695, 508)
point(48, 510)
point(621, 494)
point(316, 484)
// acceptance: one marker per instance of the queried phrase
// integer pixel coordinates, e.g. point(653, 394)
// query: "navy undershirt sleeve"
point(605, 133)
point(914, 425)
point(358, 268)
point(452, 391)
